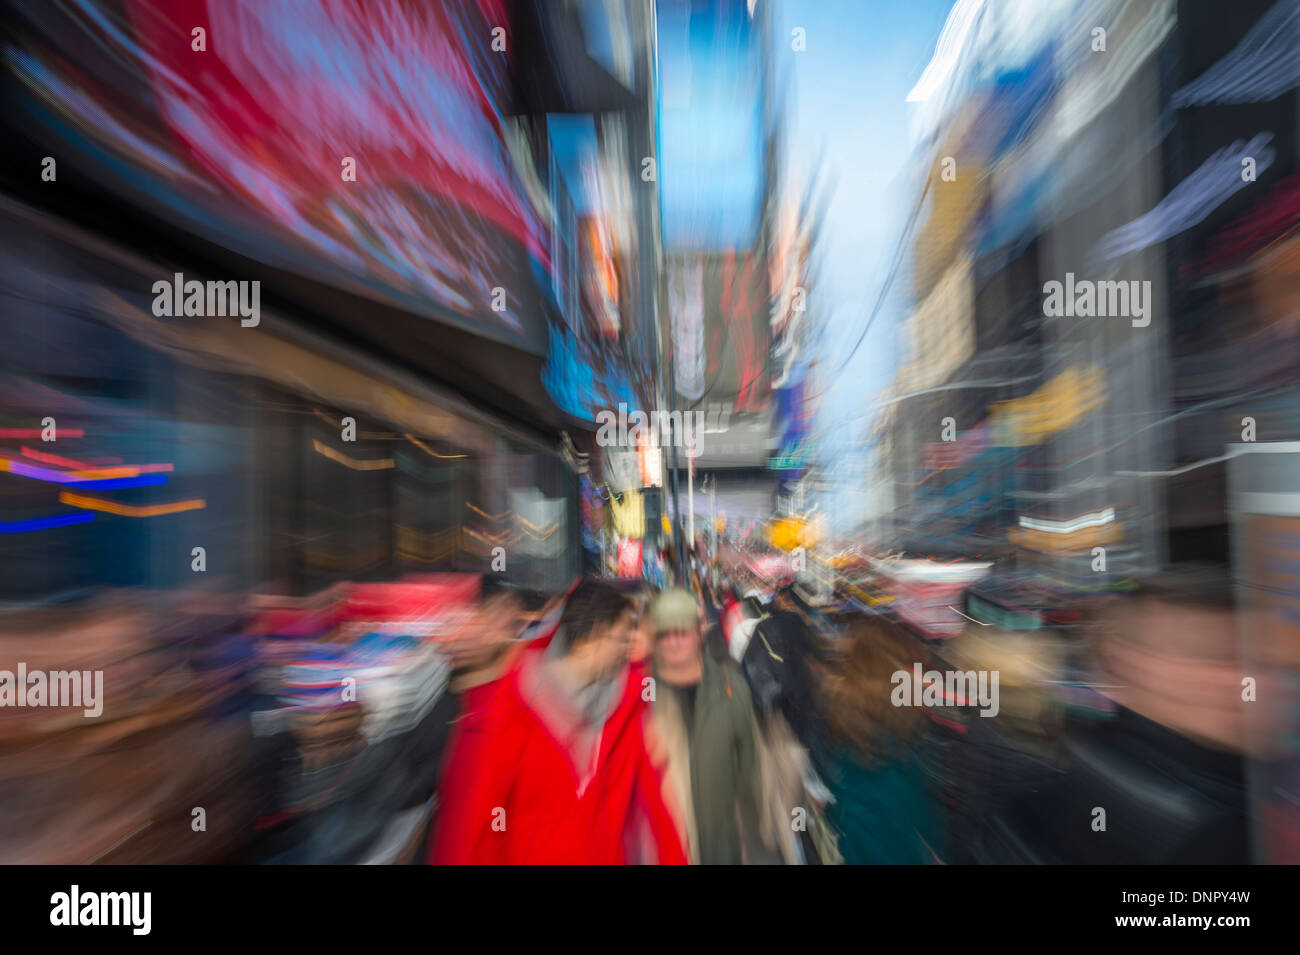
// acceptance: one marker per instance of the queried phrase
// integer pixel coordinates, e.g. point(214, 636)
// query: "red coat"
point(523, 784)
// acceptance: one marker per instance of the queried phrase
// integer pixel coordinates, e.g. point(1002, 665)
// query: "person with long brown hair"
point(883, 810)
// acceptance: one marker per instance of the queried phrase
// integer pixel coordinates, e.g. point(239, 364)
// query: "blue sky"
point(846, 121)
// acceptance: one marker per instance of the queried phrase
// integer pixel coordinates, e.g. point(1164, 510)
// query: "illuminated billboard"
point(709, 112)
point(360, 145)
point(721, 334)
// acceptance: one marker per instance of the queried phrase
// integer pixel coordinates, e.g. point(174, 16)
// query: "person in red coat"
point(553, 767)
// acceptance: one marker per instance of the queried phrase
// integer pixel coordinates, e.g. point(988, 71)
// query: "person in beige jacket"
point(703, 727)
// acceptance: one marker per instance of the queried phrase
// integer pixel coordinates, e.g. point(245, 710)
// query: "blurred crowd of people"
point(458, 719)
point(627, 726)
point(624, 723)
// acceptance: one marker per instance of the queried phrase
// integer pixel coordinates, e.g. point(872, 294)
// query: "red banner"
point(629, 558)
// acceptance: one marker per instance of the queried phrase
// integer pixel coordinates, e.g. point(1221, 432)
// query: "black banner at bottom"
point(130, 905)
